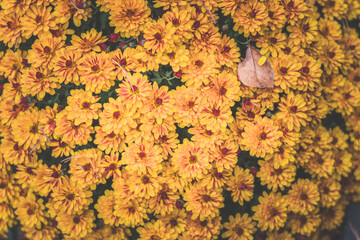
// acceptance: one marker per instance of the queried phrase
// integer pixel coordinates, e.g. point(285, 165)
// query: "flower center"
point(216, 112)
point(10, 25)
point(250, 114)
point(222, 91)
point(173, 222)
point(112, 166)
point(283, 70)
point(158, 36)
point(30, 171)
point(278, 171)
point(199, 63)
point(3, 185)
point(34, 129)
point(273, 40)
point(163, 195)
point(271, 14)
point(306, 27)
point(326, 190)
point(123, 62)
point(331, 54)
point(175, 22)
point(304, 196)
point(155, 237)
point(305, 70)
point(287, 50)
point(191, 104)
point(95, 68)
point(293, 109)
point(70, 196)
point(76, 219)
point(131, 210)
point(30, 212)
point(171, 55)
point(130, 13)
point(47, 50)
point(179, 204)
point(226, 49)
point(86, 105)
point(290, 4)
point(263, 136)
point(193, 159)
point(252, 14)
point(158, 101)
point(145, 180)
point(116, 114)
point(142, 155)
point(335, 140)
point(218, 175)
point(55, 174)
point(39, 75)
point(134, 89)
point(239, 231)
point(225, 151)
point(68, 63)
point(38, 19)
point(209, 132)
point(196, 25)
point(206, 198)
point(164, 139)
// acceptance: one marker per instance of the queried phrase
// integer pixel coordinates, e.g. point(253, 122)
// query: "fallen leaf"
point(252, 74)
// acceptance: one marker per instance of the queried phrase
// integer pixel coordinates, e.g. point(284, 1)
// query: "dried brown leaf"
point(252, 74)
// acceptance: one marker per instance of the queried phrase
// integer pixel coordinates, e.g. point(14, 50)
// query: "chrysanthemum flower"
point(230, 6)
point(224, 155)
point(13, 153)
point(276, 178)
point(227, 52)
point(66, 66)
point(64, 10)
point(131, 212)
point(11, 65)
point(332, 217)
point(251, 18)
point(9, 191)
point(329, 29)
point(47, 120)
point(76, 225)
point(178, 183)
point(345, 99)
point(26, 131)
point(310, 74)
point(286, 71)
point(303, 31)
point(110, 166)
point(293, 108)
point(87, 42)
point(48, 178)
point(206, 138)
point(202, 229)
point(144, 185)
point(45, 232)
point(304, 224)
point(10, 29)
point(43, 51)
point(241, 185)
point(336, 9)
point(329, 190)
point(164, 201)
point(85, 166)
point(271, 211)
point(261, 137)
point(82, 107)
point(70, 198)
point(143, 157)
point(303, 196)
point(176, 221)
point(294, 10)
point(69, 132)
point(240, 227)
point(216, 115)
point(225, 88)
point(180, 20)
point(134, 91)
point(37, 20)
point(215, 178)
point(123, 60)
point(272, 43)
point(321, 165)
point(95, 71)
point(116, 117)
point(206, 42)
point(332, 57)
point(291, 49)
point(25, 173)
point(158, 36)
point(129, 17)
point(168, 142)
point(60, 148)
point(203, 202)
point(276, 14)
point(105, 206)
point(15, 6)
point(177, 57)
point(31, 211)
point(109, 142)
point(202, 66)
point(190, 160)
point(156, 230)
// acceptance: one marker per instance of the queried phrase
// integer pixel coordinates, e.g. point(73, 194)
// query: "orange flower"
point(43, 51)
point(37, 20)
point(10, 29)
point(158, 36)
point(66, 66)
point(87, 42)
point(64, 10)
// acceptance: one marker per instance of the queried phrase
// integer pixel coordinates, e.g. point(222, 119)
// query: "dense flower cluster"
point(126, 119)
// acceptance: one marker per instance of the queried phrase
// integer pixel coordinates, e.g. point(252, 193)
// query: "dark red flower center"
point(30, 171)
point(305, 70)
point(76, 219)
point(116, 114)
point(204, 223)
point(239, 231)
point(199, 63)
point(86, 105)
point(196, 25)
point(130, 13)
point(158, 101)
point(193, 159)
point(252, 14)
point(47, 50)
point(357, 78)
point(209, 132)
point(293, 109)
point(283, 70)
point(123, 62)
point(171, 55)
point(218, 174)
point(39, 75)
point(179, 204)
point(10, 25)
point(173, 222)
point(175, 22)
point(3, 185)
point(163, 195)
point(38, 19)
point(226, 49)
point(225, 151)
point(142, 155)
point(250, 114)
point(131, 210)
point(290, 4)
point(222, 91)
point(155, 237)
point(216, 112)
point(191, 104)
point(326, 190)
point(164, 139)
point(134, 89)
point(278, 171)
point(263, 136)
point(287, 50)
point(112, 166)
point(158, 36)
point(145, 180)
point(30, 212)
point(34, 129)
point(111, 135)
point(303, 196)
point(55, 174)
point(70, 196)
point(95, 68)
point(306, 27)
point(271, 14)
point(331, 54)
point(273, 40)
point(87, 167)
point(335, 140)
point(206, 198)
point(68, 63)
